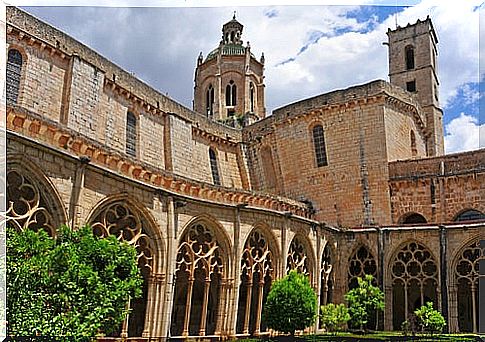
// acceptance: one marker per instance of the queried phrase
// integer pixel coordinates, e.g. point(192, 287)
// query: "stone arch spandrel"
point(32, 198)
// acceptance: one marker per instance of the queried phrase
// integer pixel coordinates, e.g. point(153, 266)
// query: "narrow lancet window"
point(14, 72)
point(131, 134)
point(319, 145)
point(214, 168)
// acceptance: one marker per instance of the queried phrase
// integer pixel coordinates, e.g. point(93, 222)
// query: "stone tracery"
point(119, 220)
point(27, 208)
point(257, 274)
point(466, 276)
point(362, 262)
point(199, 270)
point(327, 276)
point(297, 258)
point(414, 277)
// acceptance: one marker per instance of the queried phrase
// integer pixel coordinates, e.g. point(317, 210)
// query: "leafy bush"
point(75, 285)
point(291, 304)
point(362, 300)
point(334, 317)
point(429, 319)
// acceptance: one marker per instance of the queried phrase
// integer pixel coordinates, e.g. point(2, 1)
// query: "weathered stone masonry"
point(378, 190)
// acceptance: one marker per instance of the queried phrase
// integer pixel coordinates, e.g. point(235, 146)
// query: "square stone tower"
point(413, 67)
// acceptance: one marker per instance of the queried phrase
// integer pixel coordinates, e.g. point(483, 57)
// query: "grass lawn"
point(377, 336)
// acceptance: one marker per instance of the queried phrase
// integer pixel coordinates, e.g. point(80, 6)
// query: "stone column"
point(205, 303)
point(188, 306)
point(444, 276)
point(77, 192)
point(248, 305)
point(260, 305)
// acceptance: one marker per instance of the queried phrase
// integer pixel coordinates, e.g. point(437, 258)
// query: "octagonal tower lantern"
point(229, 82)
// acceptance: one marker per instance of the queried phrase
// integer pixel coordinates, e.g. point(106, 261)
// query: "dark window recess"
point(411, 86)
point(470, 215)
point(231, 94)
point(209, 100)
point(319, 145)
point(414, 218)
point(215, 170)
point(409, 57)
point(131, 134)
point(251, 96)
point(14, 71)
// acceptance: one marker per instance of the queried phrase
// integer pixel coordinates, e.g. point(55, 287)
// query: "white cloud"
point(464, 134)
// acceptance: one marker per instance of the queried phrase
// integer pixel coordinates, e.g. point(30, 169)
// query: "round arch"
point(412, 218)
point(413, 275)
point(469, 214)
point(33, 199)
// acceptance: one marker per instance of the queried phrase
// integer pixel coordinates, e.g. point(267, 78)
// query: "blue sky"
point(309, 50)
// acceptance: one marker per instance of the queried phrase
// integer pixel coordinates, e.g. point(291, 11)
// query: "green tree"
point(73, 287)
point(291, 304)
point(334, 317)
point(363, 300)
point(429, 319)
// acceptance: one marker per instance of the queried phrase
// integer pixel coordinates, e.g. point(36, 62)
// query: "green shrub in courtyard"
point(291, 304)
point(363, 300)
point(334, 317)
point(430, 320)
point(71, 287)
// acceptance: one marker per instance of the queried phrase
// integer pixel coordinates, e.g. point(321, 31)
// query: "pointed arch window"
point(319, 146)
point(251, 97)
point(231, 92)
point(131, 134)
point(470, 215)
point(214, 167)
point(209, 100)
point(14, 72)
point(409, 53)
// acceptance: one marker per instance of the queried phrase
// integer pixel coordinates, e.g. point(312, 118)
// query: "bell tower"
point(413, 67)
point(229, 82)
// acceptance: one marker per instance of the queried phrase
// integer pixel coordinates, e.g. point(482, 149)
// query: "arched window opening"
point(297, 258)
point(414, 281)
point(467, 277)
point(361, 263)
point(327, 276)
point(268, 167)
point(251, 97)
point(256, 277)
point(409, 52)
point(198, 280)
point(118, 219)
point(232, 37)
point(470, 215)
point(14, 72)
point(413, 218)
point(231, 95)
point(131, 134)
point(414, 150)
point(209, 100)
point(319, 146)
point(214, 167)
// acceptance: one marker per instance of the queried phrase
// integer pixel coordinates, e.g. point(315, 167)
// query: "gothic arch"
point(327, 273)
point(300, 256)
point(122, 216)
point(33, 201)
point(413, 275)
point(464, 278)
point(258, 268)
point(202, 267)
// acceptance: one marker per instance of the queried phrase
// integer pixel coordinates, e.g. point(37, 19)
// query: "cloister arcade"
point(208, 273)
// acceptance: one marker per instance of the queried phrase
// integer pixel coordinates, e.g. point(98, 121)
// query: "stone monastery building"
point(223, 199)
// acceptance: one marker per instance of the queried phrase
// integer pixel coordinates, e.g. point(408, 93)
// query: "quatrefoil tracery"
point(297, 258)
